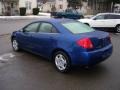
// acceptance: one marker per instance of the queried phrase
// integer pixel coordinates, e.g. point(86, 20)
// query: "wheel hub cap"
point(60, 62)
point(15, 45)
point(118, 29)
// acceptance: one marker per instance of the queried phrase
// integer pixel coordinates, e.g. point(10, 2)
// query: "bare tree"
point(113, 2)
point(3, 2)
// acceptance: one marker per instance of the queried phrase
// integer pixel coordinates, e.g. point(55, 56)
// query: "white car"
point(104, 20)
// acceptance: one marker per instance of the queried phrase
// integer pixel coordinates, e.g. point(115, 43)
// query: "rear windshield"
point(77, 27)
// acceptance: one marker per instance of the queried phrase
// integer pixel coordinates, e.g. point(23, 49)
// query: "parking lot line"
point(6, 56)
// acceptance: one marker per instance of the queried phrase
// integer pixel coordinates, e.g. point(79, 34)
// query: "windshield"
point(77, 27)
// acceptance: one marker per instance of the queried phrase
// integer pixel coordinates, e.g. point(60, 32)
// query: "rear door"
point(45, 39)
point(109, 20)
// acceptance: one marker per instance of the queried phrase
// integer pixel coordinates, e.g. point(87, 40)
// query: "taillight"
point(85, 43)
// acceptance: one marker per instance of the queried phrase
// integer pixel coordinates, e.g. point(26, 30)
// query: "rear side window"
point(47, 28)
point(110, 16)
point(77, 27)
point(117, 16)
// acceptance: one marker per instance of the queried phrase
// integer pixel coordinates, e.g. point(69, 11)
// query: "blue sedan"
point(65, 42)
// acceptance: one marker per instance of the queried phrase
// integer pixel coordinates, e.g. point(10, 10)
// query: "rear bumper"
point(92, 57)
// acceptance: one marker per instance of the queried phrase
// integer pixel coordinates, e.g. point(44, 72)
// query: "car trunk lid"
point(99, 39)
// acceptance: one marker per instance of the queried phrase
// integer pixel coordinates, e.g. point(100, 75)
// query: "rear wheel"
point(117, 28)
point(62, 62)
point(15, 45)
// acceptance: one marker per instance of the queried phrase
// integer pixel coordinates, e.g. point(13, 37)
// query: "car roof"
point(52, 20)
point(108, 13)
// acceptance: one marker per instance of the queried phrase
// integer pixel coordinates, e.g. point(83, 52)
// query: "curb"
point(2, 35)
point(22, 17)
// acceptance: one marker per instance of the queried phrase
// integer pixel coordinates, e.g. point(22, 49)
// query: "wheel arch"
point(62, 50)
point(12, 37)
point(87, 24)
point(117, 30)
point(117, 25)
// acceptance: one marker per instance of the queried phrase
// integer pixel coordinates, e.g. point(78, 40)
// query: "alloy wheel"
point(118, 29)
point(62, 61)
point(15, 45)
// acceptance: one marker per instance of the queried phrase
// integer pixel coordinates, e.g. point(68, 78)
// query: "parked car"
point(69, 13)
point(104, 20)
point(65, 42)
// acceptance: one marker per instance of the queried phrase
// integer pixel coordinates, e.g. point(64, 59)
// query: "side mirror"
point(95, 19)
point(22, 30)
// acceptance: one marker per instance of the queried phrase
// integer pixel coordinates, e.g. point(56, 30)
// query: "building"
point(95, 6)
point(45, 7)
point(0, 8)
point(100, 6)
point(29, 4)
point(11, 7)
point(59, 5)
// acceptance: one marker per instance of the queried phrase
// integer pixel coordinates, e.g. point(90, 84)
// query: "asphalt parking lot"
point(25, 71)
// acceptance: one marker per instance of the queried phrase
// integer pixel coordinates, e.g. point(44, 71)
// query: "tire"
point(62, 62)
point(117, 29)
point(15, 45)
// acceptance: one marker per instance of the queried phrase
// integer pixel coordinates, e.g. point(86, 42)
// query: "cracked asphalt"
point(25, 71)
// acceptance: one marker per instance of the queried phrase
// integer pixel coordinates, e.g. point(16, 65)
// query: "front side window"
point(77, 27)
point(100, 17)
point(47, 28)
point(32, 27)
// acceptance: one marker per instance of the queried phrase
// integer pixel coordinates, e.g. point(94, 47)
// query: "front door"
point(98, 21)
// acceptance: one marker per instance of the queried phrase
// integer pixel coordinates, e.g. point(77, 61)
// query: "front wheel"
point(15, 45)
point(62, 62)
point(118, 28)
